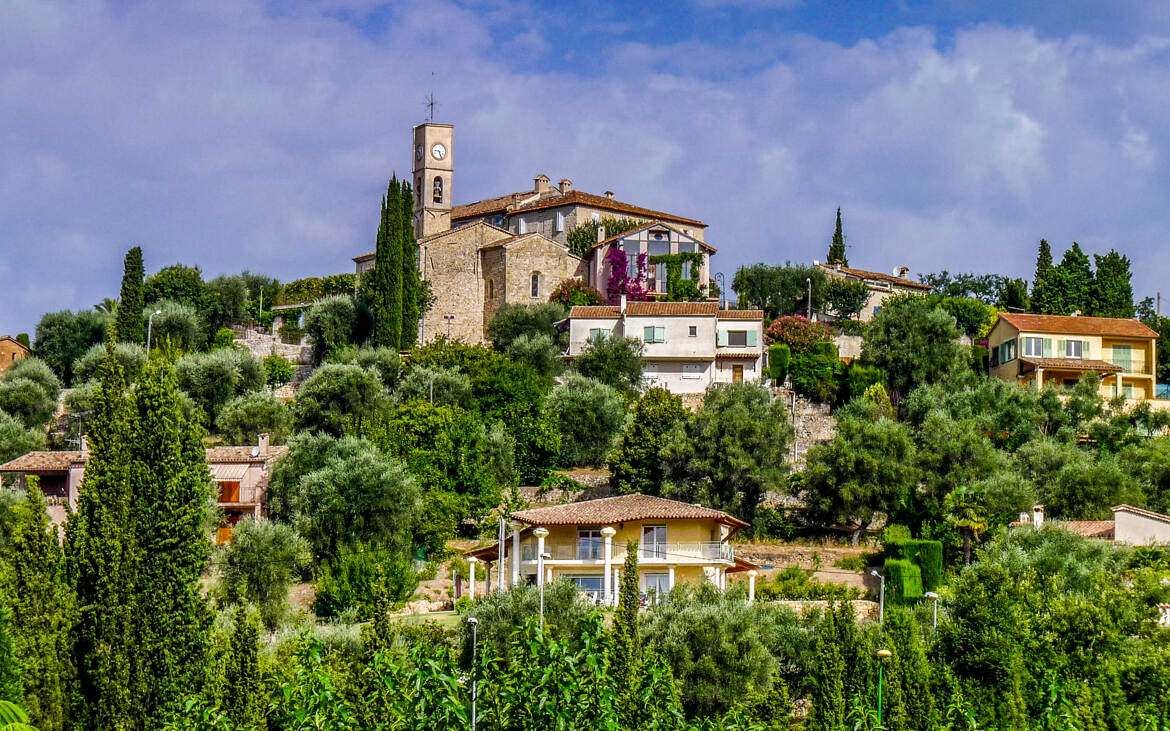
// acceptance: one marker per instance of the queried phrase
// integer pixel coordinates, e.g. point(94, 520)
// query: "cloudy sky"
point(232, 134)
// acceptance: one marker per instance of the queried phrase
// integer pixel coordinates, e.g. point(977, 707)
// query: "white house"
point(687, 345)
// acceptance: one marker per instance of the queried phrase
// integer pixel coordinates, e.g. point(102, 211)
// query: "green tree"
point(277, 371)
point(11, 688)
point(1113, 289)
point(909, 678)
point(437, 385)
point(33, 580)
point(17, 439)
point(732, 451)
point(243, 419)
point(336, 397)
point(636, 465)
point(382, 287)
point(62, 337)
point(227, 303)
point(130, 302)
point(416, 294)
point(845, 298)
point(965, 513)
point(590, 415)
point(913, 342)
point(513, 320)
point(1072, 282)
point(538, 352)
point(781, 290)
point(331, 323)
point(614, 361)
point(625, 649)
point(244, 699)
point(178, 325)
point(259, 566)
point(837, 246)
point(214, 378)
point(582, 238)
point(384, 362)
point(1046, 298)
point(26, 400)
point(813, 373)
point(132, 356)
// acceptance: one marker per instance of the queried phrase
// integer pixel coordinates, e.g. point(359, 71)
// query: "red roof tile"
point(1073, 364)
point(1089, 528)
point(659, 309)
point(42, 462)
point(878, 276)
point(595, 311)
point(622, 509)
point(741, 315)
point(502, 204)
point(643, 227)
point(1069, 325)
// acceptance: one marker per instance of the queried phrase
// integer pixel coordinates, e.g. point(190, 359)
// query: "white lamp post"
point(752, 585)
point(881, 596)
point(474, 646)
point(933, 596)
point(543, 556)
point(607, 534)
point(149, 323)
point(808, 281)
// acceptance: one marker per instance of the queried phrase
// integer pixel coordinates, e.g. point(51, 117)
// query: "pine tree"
point(42, 610)
point(1113, 292)
point(412, 285)
point(624, 655)
point(1045, 299)
point(170, 517)
point(102, 559)
point(837, 247)
point(244, 700)
point(1075, 279)
point(129, 318)
point(384, 290)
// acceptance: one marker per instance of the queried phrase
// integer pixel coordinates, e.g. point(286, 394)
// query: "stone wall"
point(813, 423)
point(263, 344)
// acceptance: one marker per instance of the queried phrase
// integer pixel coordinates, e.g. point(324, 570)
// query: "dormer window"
point(437, 190)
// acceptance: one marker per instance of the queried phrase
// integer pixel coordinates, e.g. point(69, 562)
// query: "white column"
point(670, 578)
point(752, 585)
point(540, 533)
point(617, 582)
point(608, 533)
point(515, 554)
point(471, 562)
point(1039, 379)
point(722, 579)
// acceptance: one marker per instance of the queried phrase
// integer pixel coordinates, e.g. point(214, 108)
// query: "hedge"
point(779, 355)
point(925, 555)
point(903, 581)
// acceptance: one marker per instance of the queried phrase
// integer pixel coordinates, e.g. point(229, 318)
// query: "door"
point(737, 373)
point(657, 586)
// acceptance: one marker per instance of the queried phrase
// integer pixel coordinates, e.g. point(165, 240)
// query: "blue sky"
point(234, 134)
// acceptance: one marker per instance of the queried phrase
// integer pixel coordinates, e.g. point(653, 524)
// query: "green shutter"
point(1047, 347)
point(660, 334)
point(648, 334)
point(722, 338)
point(1060, 351)
point(751, 338)
point(1085, 352)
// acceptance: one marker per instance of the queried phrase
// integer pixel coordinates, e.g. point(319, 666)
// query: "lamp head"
point(472, 621)
point(873, 572)
point(156, 312)
point(546, 555)
point(883, 654)
point(931, 596)
point(540, 532)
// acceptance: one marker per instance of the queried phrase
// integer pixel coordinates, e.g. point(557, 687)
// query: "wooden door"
point(737, 374)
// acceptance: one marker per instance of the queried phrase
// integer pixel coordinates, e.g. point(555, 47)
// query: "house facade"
point(687, 346)
point(11, 350)
point(241, 475)
point(652, 239)
point(1130, 525)
point(1041, 350)
point(586, 543)
point(881, 286)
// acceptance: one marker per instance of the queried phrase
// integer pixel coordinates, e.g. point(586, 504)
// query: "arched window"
point(418, 189)
point(438, 190)
point(536, 284)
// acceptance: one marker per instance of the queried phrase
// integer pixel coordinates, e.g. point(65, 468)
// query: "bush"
point(779, 357)
point(349, 583)
point(278, 371)
point(773, 523)
point(590, 415)
point(212, 379)
point(224, 338)
point(243, 419)
point(37, 371)
point(331, 324)
point(24, 399)
point(814, 373)
point(796, 584)
point(259, 565)
point(500, 614)
point(903, 581)
point(798, 333)
point(177, 325)
point(131, 356)
point(385, 362)
point(575, 293)
point(436, 385)
point(514, 320)
point(930, 561)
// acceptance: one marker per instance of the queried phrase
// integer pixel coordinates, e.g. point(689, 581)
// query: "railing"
point(678, 552)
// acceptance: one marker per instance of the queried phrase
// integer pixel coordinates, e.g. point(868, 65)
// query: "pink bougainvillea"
point(620, 282)
point(798, 333)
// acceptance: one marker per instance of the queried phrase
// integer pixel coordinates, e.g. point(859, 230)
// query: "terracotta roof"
point(877, 276)
point(643, 227)
point(738, 356)
point(621, 509)
point(1069, 325)
point(1073, 364)
point(42, 462)
point(241, 454)
point(502, 204)
point(658, 309)
point(741, 315)
point(1142, 512)
point(741, 565)
point(595, 311)
point(1088, 528)
point(440, 234)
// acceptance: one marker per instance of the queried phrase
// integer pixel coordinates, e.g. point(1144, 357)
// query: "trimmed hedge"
point(903, 581)
point(925, 555)
point(779, 356)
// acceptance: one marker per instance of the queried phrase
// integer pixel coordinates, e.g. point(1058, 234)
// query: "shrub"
point(331, 324)
point(514, 320)
point(177, 325)
point(930, 561)
point(39, 372)
point(262, 561)
point(383, 361)
point(575, 293)
point(244, 418)
point(131, 356)
point(224, 338)
point(903, 581)
point(277, 371)
point(212, 379)
point(814, 373)
point(779, 357)
point(773, 523)
point(798, 333)
point(26, 400)
point(795, 583)
point(349, 583)
point(436, 385)
point(590, 415)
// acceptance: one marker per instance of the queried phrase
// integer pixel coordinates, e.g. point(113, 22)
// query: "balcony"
point(589, 553)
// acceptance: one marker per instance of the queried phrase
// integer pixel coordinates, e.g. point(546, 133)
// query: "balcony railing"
point(678, 552)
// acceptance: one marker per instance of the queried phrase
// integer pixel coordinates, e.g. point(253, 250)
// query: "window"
point(590, 544)
point(418, 189)
point(596, 333)
point(491, 288)
point(521, 226)
point(657, 586)
point(687, 247)
point(535, 285)
point(692, 370)
point(693, 331)
point(1126, 390)
point(560, 225)
point(437, 190)
point(596, 217)
point(589, 584)
point(498, 220)
point(653, 541)
point(1007, 351)
point(685, 272)
point(658, 248)
point(1123, 357)
point(632, 262)
point(1034, 347)
point(654, 334)
point(1074, 349)
point(737, 338)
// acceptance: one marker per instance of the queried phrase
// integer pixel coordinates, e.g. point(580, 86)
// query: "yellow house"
point(586, 543)
point(1042, 350)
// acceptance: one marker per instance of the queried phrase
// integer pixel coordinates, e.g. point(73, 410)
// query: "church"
point(514, 248)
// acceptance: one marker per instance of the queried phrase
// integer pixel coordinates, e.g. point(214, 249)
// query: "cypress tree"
point(412, 285)
point(1045, 299)
point(1113, 291)
point(829, 707)
point(909, 679)
point(1076, 281)
point(624, 659)
point(170, 516)
point(10, 680)
point(837, 246)
point(244, 700)
point(129, 318)
point(42, 610)
point(384, 294)
point(102, 560)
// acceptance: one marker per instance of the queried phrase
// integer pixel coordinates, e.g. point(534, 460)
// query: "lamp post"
point(474, 684)
point(881, 596)
point(808, 282)
point(933, 596)
point(721, 282)
point(449, 319)
point(882, 655)
point(540, 568)
point(149, 324)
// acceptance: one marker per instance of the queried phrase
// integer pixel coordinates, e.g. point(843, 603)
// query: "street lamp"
point(721, 282)
point(149, 323)
point(474, 686)
point(540, 580)
point(882, 655)
point(808, 282)
point(933, 596)
point(449, 319)
point(881, 596)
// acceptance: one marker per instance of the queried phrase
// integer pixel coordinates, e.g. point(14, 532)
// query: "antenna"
point(431, 100)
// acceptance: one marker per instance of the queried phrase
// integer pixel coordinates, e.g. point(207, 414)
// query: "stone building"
point(11, 350)
point(881, 285)
point(508, 249)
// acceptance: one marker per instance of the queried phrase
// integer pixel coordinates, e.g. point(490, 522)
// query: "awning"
point(228, 472)
point(1068, 364)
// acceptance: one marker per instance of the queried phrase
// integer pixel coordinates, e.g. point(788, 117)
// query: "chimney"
point(540, 183)
point(1076, 313)
point(609, 194)
point(622, 305)
point(566, 185)
point(1037, 516)
point(264, 445)
point(904, 272)
point(84, 446)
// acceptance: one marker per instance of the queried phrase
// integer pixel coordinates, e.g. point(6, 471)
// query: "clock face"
point(418, 152)
point(438, 151)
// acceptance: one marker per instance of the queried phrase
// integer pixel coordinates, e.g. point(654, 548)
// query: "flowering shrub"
point(574, 293)
point(620, 282)
point(798, 333)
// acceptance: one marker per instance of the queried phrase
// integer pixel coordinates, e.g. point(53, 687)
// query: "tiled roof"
point(241, 454)
point(595, 311)
point(440, 234)
point(503, 203)
point(1073, 364)
point(643, 227)
point(1069, 325)
point(42, 462)
point(658, 309)
point(1089, 528)
point(1142, 512)
point(621, 509)
point(878, 276)
point(487, 206)
point(738, 356)
point(741, 315)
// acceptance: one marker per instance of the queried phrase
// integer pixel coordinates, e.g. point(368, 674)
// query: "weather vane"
point(431, 100)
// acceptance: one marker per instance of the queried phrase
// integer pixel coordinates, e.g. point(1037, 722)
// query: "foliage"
point(625, 652)
point(435, 384)
point(678, 288)
point(277, 371)
point(259, 565)
point(1112, 288)
point(499, 614)
point(17, 439)
point(841, 671)
point(538, 352)
point(575, 293)
point(130, 302)
point(224, 338)
point(177, 283)
point(62, 337)
point(990, 289)
point(798, 333)
point(243, 419)
point(972, 317)
point(732, 451)
point(620, 283)
point(353, 582)
point(814, 373)
point(781, 290)
point(903, 580)
point(913, 342)
point(214, 378)
point(331, 323)
point(25, 400)
point(311, 289)
point(590, 415)
point(511, 321)
point(1046, 299)
point(393, 290)
point(795, 583)
point(243, 684)
point(845, 298)
point(837, 253)
point(227, 305)
point(779, 358)
point(614, 361)
point(636, 465)
point(581, 238)
point(130, 355)
point(385, 362)
point(178, 325)
point(338, 397)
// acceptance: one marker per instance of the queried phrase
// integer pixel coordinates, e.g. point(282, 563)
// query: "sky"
point(237, 134)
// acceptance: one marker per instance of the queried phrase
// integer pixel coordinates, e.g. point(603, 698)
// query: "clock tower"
point(432, 178)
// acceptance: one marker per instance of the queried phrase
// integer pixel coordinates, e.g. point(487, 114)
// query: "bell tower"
point(433, 168)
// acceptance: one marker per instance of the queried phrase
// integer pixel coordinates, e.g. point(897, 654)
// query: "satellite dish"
point(255, 451)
